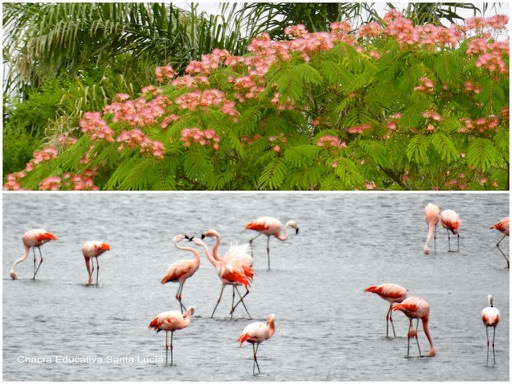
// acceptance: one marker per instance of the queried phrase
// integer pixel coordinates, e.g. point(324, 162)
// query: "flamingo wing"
point(179, 269)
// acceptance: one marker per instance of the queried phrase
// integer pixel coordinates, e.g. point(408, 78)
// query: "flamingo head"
point(190, 312)
point(293, 224)
point(13, 274)
point(180, 237)
point(209, 233)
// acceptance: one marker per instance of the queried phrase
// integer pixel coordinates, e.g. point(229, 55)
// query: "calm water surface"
point(327, 328)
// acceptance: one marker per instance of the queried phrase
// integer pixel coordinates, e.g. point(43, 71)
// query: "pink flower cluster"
point(358, 128)
point(95, 127)
point(40, 156)
point(136, 138)
point(288, 105)
point(51, 183)
point(190, 82)
point(208, 63)
point(205, 99)
point(431, 115)
point(248, 87)
point(66, 141)
point(277, 142)
point(12, 183)
point(425, 85)
point(77, 182)
point(479, 24)
point(194, 135)
point(139, 112)
point(329, 141)
point(392, 124)
point(481, 124)
point(165, 73)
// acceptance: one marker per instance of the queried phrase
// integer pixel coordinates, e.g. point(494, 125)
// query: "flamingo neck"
point(215, 249)
point(429, 236)
point(20, 260)
point(197, 256)
point(215, 263)
point(283, 236)
point(432, 351)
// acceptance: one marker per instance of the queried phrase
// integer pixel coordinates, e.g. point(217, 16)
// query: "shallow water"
point(327, 328)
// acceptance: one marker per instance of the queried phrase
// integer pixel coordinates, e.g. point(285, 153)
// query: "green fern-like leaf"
point(481, 153)
point(272, 176)
point(445, 147)
point(417, 149)
point(348, 173)
point(301, 155)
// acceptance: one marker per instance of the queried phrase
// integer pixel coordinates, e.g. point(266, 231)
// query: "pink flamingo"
point(450, 221)
point(236, 258)
point(270, 227)
point(490, 318)
point(93, 249)
point(181, 270)
point(416, 308)
point(33, 239)
point(393, 293)
point(228, 274)
point(432, 218)
point(256, 333)
point(504, 227)
point(171, 321)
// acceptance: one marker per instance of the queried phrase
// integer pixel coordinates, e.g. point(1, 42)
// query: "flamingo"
point(33, 239)
point(271, 227)
point(504, 227)
point(432, 218)
point(228, 274)
point(450, 221)
point(490, 318)
point(416, 308)
point(93, 249)
point(235, 258)
point(171, 321)
point(393, 293)
point(256, 333)
point(181, 270)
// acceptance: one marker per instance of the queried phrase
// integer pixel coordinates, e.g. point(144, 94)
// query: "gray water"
point(327, 328)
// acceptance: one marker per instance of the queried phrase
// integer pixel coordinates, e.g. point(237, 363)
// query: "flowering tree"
point(392, 107)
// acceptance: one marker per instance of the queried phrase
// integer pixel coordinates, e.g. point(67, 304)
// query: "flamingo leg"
point(498, 245)
point(97, 270)
point(232, 302)
point(250, 242)
point(487, 334)
point(255, 363)
point(40, 261)
point(166, 348)
point(416, 335)
point(218, 300)
point(409, 336)
point(172, 360)
point(178, 297)
point(389, 318)
point(241, 300)
point(493, 335)
point(268, 251)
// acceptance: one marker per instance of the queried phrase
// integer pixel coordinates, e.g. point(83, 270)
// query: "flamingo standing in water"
point(181, 270)
point(256, 333)
point(393, 293)
point(416, 308)
point(432, 218)
point(33, 239)
point(229, 274)
point(490, 318)
point(236, 258)
point(270, 226)
point(171, 321)
point(450, 221)
point(504, 227)
point(93, 249)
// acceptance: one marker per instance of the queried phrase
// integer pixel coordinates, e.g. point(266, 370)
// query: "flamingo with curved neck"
point(181, 270)
point(34, 238)
point(236, 258)
point(432, 218)
point(270, 226)
point(228, 274)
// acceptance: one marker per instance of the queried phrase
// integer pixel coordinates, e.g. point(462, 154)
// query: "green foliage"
point(372, 113)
